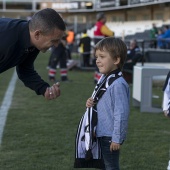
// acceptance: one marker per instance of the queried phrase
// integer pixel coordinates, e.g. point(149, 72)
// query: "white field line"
point(6, 103)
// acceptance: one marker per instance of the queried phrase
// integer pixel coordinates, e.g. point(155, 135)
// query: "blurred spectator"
point(58, 56)
point(166, 36)
point(160, 43)
point(70, 41)
point(133, 55)
point(100, 31)
point(85, 48)
point(153, 36)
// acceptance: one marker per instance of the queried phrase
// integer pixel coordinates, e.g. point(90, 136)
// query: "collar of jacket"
point(84, 35)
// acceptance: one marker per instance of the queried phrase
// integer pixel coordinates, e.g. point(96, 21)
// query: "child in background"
point(109, 107)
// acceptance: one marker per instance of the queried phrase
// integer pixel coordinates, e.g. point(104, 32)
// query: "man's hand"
point(52, 92)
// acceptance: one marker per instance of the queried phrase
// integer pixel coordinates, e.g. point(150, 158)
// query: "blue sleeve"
point(166, 34)
point(121, 111)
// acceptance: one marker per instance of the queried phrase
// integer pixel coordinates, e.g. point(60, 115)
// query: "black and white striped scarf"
point(87, 150)
point(166, 81)
point(166, 89)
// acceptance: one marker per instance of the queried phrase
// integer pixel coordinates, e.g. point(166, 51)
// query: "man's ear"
point(37, 34)
point(117, 61)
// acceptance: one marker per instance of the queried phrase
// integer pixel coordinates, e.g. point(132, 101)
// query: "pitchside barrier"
point(157, 55)
point(151, 56)
point(143, 83)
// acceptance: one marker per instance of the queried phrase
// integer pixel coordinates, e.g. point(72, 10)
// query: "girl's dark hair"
point(46, 20)
point(115, 47)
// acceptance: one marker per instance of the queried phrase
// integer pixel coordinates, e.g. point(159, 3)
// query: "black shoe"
point(66, 81)
point(52, 79)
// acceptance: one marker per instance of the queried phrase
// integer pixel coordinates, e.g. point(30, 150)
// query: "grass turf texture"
point(40, 134)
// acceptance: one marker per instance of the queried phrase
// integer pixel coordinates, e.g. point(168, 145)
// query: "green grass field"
point(40, 134)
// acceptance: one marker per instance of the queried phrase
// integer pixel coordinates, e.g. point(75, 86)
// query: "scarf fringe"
point(95, 163)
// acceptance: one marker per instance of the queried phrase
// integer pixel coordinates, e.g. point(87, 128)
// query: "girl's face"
point(105, 62)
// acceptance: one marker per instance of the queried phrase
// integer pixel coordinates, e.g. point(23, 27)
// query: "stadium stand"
point(127, 18)
point(131, 28)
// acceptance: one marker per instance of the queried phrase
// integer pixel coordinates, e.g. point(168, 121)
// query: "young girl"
point(108, 108)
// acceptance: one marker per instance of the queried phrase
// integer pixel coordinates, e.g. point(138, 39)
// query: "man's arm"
point(29, 76)
point(106, 31)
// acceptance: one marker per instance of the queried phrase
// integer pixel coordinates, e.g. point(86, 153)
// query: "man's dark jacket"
point(16, 50)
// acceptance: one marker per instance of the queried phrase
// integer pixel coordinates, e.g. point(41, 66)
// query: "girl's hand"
point(90, 102)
